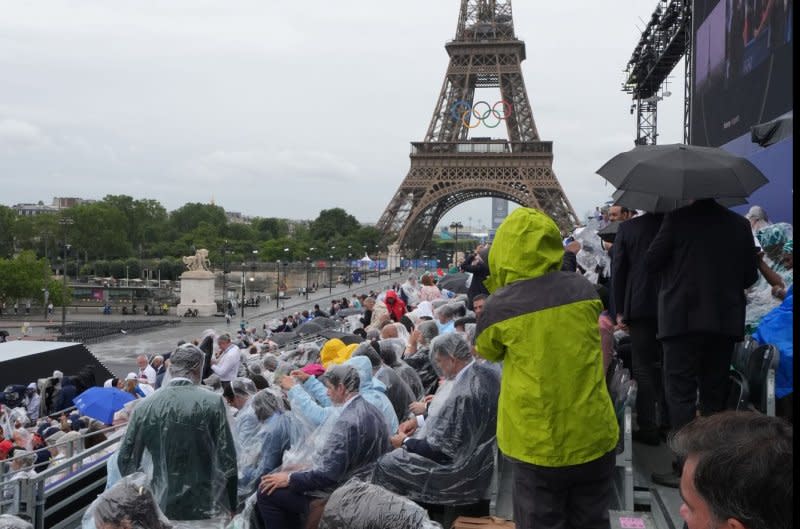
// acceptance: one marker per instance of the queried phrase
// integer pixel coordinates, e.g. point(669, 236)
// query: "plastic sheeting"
point(8, 521)
point(185, 430)
point(399, 393)
point(131, 500)
point(391, 352)
point(421, 363)
point(272, 430)
point(359, 505)
point(592, 257)
point(461, 423)
point(346, 445)
point(777, 328)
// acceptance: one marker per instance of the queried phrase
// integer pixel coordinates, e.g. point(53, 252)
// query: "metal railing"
point(57, 497)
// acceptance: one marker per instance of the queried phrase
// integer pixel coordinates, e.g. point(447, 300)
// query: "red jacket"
point(396, 308)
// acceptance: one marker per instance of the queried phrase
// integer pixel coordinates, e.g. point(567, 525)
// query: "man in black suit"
point(635, 299)
point(356, 440)
point(706, 259)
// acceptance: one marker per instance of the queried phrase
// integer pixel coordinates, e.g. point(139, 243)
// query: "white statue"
point(198, 261)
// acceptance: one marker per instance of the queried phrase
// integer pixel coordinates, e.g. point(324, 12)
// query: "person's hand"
point(397, 440)
point(418, 408)
point(272, 482)
point(287, 382)
point(300, 375)
point(573, 247)
point(779, 291)
point(427, 399)
point(621, 325)
point(408, 427)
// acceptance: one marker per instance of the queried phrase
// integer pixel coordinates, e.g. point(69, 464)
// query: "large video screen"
point(742, 67)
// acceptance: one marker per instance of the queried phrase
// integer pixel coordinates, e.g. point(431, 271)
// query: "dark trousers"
point(283, 509)
point(699, 362)
point(645, 355)
point(572, 497)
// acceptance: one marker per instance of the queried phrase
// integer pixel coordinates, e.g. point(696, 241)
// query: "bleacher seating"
point(94, 331)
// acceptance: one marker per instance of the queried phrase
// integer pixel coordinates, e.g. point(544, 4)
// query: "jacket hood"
point(527, 245)
point(390, 294)
point(364, 368)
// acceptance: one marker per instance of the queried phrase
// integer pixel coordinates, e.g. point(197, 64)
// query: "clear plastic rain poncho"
point(347, 444)
point(129, 503)
point(276, 431)
point(359, 505)
point(461, 424)
point(185, 430)
point(8, 521)
point(592, 257)
point(391, 352)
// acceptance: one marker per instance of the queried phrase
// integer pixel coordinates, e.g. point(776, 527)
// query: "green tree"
point(23, 277)
point(188, 217)
point(7, 221)
point(98, 230)
point(271, 228)
point(333, 224)
point(56, 293)
point(146, 219)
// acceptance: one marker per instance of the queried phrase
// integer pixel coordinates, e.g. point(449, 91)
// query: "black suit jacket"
point(635, 290)
point(706, 258)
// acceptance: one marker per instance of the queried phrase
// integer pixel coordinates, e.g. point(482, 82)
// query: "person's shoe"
point(666, 479)
point(648, 437)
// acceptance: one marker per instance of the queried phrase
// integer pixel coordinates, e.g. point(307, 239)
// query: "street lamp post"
point(308, 262)
point(64, 221)
point(224, 277)
point(330, 275)
point(378, 262)
point(349, 269)
point(278, 285)
point(456, 226)
point(243, 294)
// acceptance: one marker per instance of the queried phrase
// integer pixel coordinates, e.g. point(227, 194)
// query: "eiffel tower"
point(449, 168)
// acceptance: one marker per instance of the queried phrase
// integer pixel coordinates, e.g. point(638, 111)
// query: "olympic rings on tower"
point(461, 110)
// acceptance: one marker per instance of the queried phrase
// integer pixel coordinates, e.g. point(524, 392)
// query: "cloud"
point(292, 167)
point(20, 135)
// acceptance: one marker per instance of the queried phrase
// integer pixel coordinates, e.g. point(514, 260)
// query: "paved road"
point(119, 354)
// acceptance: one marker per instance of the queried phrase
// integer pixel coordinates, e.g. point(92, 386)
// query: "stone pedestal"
point(393, 257)
point(197, 293)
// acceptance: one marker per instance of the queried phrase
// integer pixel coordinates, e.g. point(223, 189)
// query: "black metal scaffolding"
point(664, 42)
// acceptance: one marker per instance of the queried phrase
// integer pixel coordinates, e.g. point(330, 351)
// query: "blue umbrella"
point(101, 403)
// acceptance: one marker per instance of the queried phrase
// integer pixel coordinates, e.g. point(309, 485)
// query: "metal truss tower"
point(666, 39)
point(449, 168)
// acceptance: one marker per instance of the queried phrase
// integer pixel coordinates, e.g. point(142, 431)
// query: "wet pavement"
point(119, 354)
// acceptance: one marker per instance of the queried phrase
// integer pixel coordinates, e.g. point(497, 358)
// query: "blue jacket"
point(311, 399)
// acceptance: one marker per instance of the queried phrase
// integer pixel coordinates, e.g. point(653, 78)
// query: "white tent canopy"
point(365, 259)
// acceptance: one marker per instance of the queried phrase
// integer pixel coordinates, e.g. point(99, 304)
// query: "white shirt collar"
point(461, 373)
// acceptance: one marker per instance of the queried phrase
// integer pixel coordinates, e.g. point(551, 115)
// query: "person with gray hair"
point(454, 446)
point(227, 360)
point(416, 355)
point(737, 471)
point(273, 430)
point(358, 437)
point(444, 318)
point(185, 430)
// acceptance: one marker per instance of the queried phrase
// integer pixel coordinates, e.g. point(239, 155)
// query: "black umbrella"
point(309, 327)
point(346, 338)
point(349, 312)
point(282, 338)
point(657, 204)
point(454, 282)
point(683, 172)
point(609, 232)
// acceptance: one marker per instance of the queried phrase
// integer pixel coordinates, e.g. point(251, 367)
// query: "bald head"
point(389, 331)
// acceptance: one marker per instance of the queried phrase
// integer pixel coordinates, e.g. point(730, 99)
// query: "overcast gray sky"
point(286, 108)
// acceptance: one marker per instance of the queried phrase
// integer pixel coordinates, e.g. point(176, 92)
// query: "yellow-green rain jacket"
point(554, 408)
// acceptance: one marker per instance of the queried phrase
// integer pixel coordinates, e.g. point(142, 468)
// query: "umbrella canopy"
point(282, 338)
point(349, 312)
point(652, 203)
point(325, 322)
point(456, 282)
point(683, 172)
point(309, 327)
point(609, 232)
point(346, 338)
point(101, 403)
